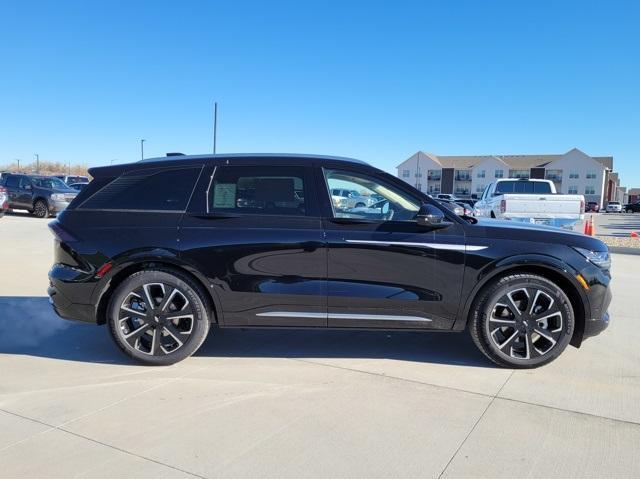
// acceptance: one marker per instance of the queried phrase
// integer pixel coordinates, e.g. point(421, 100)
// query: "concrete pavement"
point(304, 403)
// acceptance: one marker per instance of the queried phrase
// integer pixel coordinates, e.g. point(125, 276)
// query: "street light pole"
point(18, 160)
point(142, 149)
point(37, 162)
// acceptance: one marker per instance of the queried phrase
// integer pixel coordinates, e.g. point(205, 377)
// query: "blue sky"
point(84, 81)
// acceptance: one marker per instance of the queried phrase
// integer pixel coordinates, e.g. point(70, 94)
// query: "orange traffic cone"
point(586, 226)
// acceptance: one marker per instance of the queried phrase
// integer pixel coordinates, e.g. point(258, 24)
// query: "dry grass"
point(47, 168)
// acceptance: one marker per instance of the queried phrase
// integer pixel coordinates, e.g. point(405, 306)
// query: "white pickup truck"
point(531, 201)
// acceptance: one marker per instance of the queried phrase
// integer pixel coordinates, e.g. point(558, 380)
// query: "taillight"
point(60, 232)
point(503, 206)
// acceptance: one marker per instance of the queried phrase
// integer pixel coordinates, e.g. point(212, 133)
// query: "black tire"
point(135, 329)
point(518, 339)
point(493, 215)
point(360, 205)
point(41, 209)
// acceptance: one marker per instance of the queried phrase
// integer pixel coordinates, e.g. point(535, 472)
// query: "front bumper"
point(57, 206)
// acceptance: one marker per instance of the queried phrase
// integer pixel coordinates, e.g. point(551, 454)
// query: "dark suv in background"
point(160, 249)
point(42, 196)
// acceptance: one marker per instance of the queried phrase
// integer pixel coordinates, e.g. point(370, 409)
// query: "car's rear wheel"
point(360, 205)
point(41, 209)
point(522, 321)
point(158, 316)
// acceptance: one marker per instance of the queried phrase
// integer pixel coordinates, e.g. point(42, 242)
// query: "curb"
point(624, 250)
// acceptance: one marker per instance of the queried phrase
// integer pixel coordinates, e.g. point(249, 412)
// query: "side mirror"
point(431, 217)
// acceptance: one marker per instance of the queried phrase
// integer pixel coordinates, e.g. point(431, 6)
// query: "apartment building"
point(634, 195)
point(572, 172)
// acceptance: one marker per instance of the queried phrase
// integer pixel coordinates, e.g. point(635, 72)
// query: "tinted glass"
point(370, 198)
point(523, 187)
point(50, 183)
point(264, 190)
point(150, 190)
point(12, 181)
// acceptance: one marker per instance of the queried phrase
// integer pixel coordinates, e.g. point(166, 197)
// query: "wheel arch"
point(123, 271)
point(550, 268)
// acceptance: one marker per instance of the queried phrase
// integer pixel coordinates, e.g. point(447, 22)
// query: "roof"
point(463, 162)
point(253, 155)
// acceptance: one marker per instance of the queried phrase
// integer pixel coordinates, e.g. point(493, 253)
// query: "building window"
point(463, 175)
point(462, 191)
point(519, 174)
point(553, 175)
point(418, 175)
point(574, 175)
point(572, 190)
point(480, 188)
point(591, 175)
point(419, 186)
point(434, 189)
point(434, 175)
point(406, 173)
point(589, 190)
point(499, 174)
point(481, 174)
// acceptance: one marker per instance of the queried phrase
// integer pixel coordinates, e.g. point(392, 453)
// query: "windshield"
point(519, 186)
point(52, 183)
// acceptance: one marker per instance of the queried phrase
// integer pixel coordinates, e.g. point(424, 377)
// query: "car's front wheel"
point(41, 209)
point(522, 321)
point(158, 316)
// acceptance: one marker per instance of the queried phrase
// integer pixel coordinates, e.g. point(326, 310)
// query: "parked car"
point(523, 291)
point(4, 201)
point(71, 179)
point(446, 196)
point(632, 207)
point(345, 199)
point(592, 207)
point(42, 196)
point(531, 201)
point(613, 207)
point(78, 186)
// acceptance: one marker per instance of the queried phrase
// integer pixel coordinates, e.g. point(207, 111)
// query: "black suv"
point(631, 207)
point(160, 249)
point(42, 196)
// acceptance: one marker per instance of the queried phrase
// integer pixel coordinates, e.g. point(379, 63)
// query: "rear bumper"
point(68, 294)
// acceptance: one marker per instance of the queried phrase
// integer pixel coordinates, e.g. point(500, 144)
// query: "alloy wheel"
point(40, 209)
point(525, 323)
point(155, 319)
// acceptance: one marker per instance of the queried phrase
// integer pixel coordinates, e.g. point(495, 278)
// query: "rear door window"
point(260, 190)
point(12, 181)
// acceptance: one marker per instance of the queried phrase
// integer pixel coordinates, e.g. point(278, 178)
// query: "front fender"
point(533, 262)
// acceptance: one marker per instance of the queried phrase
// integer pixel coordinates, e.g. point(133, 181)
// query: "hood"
point(504, 229)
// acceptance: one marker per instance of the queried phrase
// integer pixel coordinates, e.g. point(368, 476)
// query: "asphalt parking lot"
point(304, 403)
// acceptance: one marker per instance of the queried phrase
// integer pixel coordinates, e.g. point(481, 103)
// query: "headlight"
point(600, 258)
point(58, 197)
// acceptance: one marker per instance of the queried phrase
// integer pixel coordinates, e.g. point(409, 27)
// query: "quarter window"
point(373, 199)
point(259, 190)
point(149, 190)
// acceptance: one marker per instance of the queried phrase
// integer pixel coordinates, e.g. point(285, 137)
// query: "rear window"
point(147, 190)
point(523, 187)
point(12, 181)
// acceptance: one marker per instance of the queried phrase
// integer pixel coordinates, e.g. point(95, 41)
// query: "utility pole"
point(69, 173)
point(37, 162)
point(142, 149)
point(18, 160)
point(215, 125)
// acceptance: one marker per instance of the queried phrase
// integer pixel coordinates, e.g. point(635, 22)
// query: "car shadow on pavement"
point(28, 326)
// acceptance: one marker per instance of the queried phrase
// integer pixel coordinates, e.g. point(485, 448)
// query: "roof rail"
point(175, 154)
